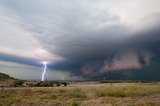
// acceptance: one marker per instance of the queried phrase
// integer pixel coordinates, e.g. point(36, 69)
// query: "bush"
point(74, 103)
point(44, 84)
point(17, 83)
point(57, 83)
point(65, 83)
point(50, 84)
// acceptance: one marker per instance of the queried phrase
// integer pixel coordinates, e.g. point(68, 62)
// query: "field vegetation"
point(94, 94)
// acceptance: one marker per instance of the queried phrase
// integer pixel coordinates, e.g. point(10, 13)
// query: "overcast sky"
point(80, 39)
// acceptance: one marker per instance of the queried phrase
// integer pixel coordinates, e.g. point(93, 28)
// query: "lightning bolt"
point(44, 68)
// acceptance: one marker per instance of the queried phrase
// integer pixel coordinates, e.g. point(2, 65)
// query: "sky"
point(80, 39)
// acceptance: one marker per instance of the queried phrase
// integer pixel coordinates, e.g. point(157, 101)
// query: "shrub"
point(74, 103)
point(58, 84)
point(17, 83)
point(65, 83)
point(50, 83)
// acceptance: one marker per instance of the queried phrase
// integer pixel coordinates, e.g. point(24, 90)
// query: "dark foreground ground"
point(84, 94)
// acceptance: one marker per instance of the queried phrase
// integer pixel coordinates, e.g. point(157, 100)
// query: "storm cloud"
point(89, 38)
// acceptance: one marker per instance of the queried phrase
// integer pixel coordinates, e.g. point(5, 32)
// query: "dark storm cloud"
point(106, 53)
point(19, 59)
point(91, 41)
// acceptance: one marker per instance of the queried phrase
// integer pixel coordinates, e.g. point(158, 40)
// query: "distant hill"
point(5, 77)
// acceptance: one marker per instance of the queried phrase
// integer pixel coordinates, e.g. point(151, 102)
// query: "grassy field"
point(83, 94)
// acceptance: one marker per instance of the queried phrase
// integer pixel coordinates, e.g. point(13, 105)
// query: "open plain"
point(84, 94)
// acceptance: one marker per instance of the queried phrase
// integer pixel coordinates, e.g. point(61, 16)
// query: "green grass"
point(132, 90)
point(77, 90)
point(82, 95)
